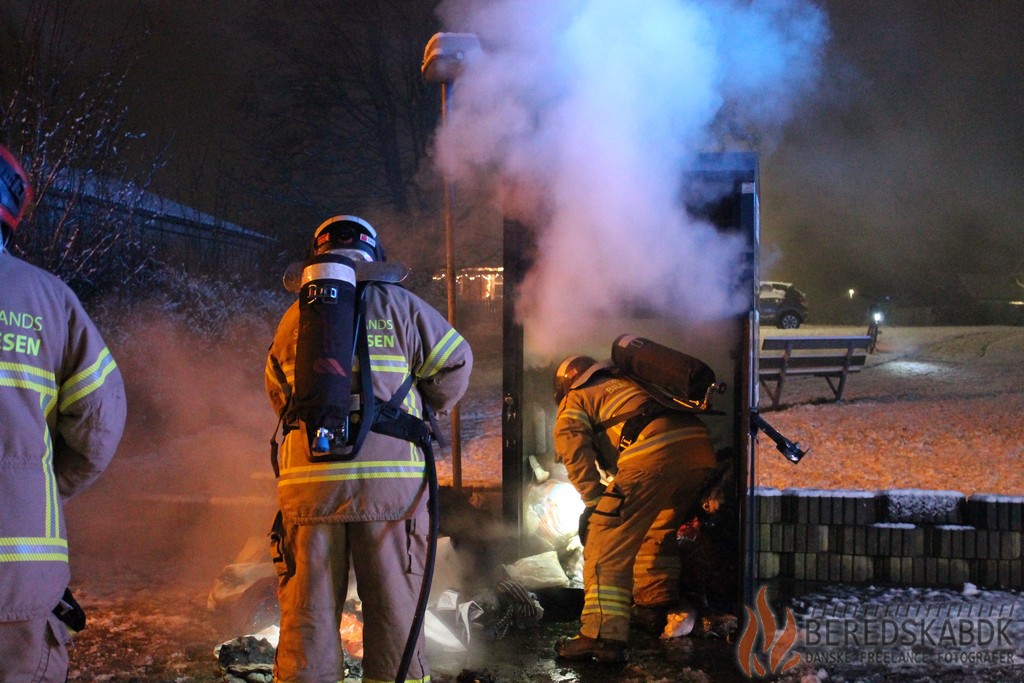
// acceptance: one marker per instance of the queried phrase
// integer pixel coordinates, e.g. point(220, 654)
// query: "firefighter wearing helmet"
point(362, 507)
point(62, 407)
point(638, 467)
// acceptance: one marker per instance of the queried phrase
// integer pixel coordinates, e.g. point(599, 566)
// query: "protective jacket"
point(62, 413)
point(386, 481)
point(630, 556)
point(587, 434)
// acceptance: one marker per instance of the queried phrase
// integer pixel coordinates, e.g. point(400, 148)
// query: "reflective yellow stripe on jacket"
point(90, 379)
point(607, 412)
point(49, 547)
point(438, 355)
point(397, 364)
point(611, 408)
point(23, 376)
point(655, 443)
point(33, 549)
point(341, 471)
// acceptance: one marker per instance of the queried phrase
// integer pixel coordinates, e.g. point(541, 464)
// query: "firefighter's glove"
point(70, 612)
point(585, 523)
point(283, 561)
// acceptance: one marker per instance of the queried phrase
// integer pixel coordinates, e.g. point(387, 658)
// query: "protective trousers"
point(631, 554)
point(388, 559)
point(34, 651)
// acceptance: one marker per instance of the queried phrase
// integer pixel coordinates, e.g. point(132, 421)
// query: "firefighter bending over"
point(62, 413)
point(365, 505)
point(638, 477)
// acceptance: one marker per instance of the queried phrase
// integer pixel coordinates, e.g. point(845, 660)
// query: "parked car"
point(781, 304)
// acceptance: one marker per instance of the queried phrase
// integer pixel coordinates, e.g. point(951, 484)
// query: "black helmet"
point(350, 234)
point(569, 370)
point(15, 192)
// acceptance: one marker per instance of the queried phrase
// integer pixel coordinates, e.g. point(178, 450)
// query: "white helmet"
point(351, 236)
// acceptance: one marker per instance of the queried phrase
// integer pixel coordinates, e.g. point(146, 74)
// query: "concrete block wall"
point(905, 537)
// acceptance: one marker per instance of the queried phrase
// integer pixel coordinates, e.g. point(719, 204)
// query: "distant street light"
point(444, 60)
point(851, 292)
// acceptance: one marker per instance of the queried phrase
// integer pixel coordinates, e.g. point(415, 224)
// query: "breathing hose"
point(433, 508)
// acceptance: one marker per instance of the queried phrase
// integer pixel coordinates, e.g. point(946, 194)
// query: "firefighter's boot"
point(649, 618)
point(583, 648)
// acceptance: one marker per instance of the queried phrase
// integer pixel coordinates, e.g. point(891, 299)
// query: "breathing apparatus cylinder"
point(676, 379)
point(324, 354)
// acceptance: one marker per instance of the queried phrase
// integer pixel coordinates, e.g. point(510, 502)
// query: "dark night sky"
point(905, 171)
point(910, 172)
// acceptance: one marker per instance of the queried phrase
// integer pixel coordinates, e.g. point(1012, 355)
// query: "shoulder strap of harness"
point(387, 418)
point(368, 406)
point(636, 424)
point(635, 421)
point(391, 420)
point(273, 447)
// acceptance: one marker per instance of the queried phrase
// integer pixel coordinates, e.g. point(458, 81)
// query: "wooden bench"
point(832, 358)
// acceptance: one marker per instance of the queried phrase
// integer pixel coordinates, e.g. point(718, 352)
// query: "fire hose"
point(389, 419)
point(428, 570)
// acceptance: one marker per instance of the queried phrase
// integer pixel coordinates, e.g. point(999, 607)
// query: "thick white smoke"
point(585, 113)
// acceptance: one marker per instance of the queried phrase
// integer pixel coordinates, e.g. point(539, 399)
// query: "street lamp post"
point(443, 61)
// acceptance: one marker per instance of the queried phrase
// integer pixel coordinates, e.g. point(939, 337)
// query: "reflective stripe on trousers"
point(631, 539)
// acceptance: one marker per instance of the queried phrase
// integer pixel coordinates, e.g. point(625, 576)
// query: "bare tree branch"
point(349, 101)
point(66, 121)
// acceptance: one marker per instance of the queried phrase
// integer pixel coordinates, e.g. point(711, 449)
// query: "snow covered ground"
point(937, 408)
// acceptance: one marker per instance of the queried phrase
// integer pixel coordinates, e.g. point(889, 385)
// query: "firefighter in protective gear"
point(653, 472)
point(370, 511)
point(62, 411)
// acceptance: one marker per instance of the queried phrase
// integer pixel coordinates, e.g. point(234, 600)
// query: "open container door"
point(722, 190)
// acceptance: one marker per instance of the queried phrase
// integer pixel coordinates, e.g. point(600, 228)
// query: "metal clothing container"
point(727, 200)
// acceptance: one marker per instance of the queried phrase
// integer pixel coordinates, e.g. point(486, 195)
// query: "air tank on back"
point(675, 378)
